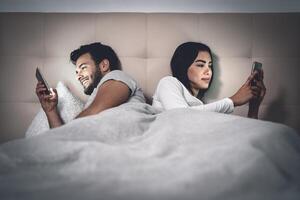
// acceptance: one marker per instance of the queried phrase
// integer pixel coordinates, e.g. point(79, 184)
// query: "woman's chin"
point(203, 87)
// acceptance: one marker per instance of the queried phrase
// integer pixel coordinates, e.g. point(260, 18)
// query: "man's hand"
point(48, 102)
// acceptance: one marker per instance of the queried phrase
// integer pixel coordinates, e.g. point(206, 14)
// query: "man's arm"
point(54, 119)
point(111, 93)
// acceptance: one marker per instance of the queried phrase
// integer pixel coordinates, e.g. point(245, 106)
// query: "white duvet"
point(134, 152)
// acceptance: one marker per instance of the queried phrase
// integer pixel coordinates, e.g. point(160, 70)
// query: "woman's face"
point(200, 72)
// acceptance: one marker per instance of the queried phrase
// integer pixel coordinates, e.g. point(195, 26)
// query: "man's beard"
point(94, 84)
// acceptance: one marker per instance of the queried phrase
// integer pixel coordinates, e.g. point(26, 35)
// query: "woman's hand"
point(259, 91)
point(48, 102)
point(245, 93)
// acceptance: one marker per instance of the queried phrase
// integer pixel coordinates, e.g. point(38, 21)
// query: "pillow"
point(69, 106)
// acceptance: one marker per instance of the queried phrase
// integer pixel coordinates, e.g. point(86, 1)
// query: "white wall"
point(190, 6)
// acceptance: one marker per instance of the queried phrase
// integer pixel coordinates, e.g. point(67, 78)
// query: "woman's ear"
point(104, 66)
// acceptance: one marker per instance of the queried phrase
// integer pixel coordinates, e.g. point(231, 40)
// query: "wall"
point(146, 6)
point(145, 43)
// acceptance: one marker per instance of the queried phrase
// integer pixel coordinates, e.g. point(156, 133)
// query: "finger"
point(259, 75)
point(46, 97)
point(261, 85)
point(255, 93)
point(250, 78)
point(255, 88)
point(53, 90)
point(40, 84)
point(52, 98)
point(40, 90)
point(263, 93)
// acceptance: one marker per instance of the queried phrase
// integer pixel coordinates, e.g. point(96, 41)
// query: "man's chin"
point(93, 84)
point(88, 90)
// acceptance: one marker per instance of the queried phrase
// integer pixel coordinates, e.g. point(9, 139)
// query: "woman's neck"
point(194, 91)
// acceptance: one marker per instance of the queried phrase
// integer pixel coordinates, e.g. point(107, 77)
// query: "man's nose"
point(79, 75)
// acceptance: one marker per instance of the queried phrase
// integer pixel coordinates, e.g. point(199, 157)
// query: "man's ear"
point(104, 66)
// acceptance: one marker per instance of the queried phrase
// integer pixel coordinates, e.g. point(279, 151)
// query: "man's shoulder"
point(117, 74)
point(121, 76)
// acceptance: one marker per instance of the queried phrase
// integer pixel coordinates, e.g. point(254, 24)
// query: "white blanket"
point(134, 152)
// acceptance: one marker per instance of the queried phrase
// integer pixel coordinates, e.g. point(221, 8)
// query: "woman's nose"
point(207, 70)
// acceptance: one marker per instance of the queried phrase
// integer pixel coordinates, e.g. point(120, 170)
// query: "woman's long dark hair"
point(184, 55)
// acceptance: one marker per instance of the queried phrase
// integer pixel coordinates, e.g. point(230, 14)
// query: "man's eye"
point(200, 65)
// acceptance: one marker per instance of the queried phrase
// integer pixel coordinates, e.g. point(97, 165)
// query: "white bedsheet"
point(131, 152)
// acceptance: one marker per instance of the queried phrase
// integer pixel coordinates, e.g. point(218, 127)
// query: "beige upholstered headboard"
point(145, 44)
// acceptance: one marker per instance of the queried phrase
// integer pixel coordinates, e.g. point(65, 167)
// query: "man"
point(98, 70)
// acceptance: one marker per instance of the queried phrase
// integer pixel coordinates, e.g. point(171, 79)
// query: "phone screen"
point(256, 66)
point(40, 77)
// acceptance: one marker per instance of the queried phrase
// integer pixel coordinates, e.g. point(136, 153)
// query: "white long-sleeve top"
point(171, 93)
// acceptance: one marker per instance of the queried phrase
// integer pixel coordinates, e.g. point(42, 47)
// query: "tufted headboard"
point(145, 44)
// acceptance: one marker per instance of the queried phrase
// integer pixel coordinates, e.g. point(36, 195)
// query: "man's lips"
point(83, 80)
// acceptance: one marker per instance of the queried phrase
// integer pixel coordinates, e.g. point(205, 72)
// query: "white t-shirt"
point(171, 93)
point(136, 94)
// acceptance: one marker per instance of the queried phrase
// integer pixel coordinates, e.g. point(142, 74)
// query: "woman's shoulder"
point(169, 84)
point(169, 80)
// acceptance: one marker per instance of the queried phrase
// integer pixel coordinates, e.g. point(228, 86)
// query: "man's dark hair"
point(98, 53)
point(184, 55)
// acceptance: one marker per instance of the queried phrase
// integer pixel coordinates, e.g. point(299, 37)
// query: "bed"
point(144, 153)
point(135, 151)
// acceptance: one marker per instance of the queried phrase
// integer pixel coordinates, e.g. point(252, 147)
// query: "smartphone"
point(256, 66)
point(40, 77)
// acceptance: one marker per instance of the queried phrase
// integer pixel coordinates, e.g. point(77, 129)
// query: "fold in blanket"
point(136, 152)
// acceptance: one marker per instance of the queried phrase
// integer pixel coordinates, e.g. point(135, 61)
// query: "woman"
point(192, 69)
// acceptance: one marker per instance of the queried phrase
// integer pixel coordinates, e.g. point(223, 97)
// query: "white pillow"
point(69, 106)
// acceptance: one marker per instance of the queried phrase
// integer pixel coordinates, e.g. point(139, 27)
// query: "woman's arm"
point(170, 93)
point(222, 106)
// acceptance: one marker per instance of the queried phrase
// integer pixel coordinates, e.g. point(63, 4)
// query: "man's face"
point(88, 74)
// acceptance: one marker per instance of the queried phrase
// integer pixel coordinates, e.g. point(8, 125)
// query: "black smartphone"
point(40, 77)
point(256, 66)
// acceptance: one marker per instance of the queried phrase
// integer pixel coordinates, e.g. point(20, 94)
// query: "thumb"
point(53, 91)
